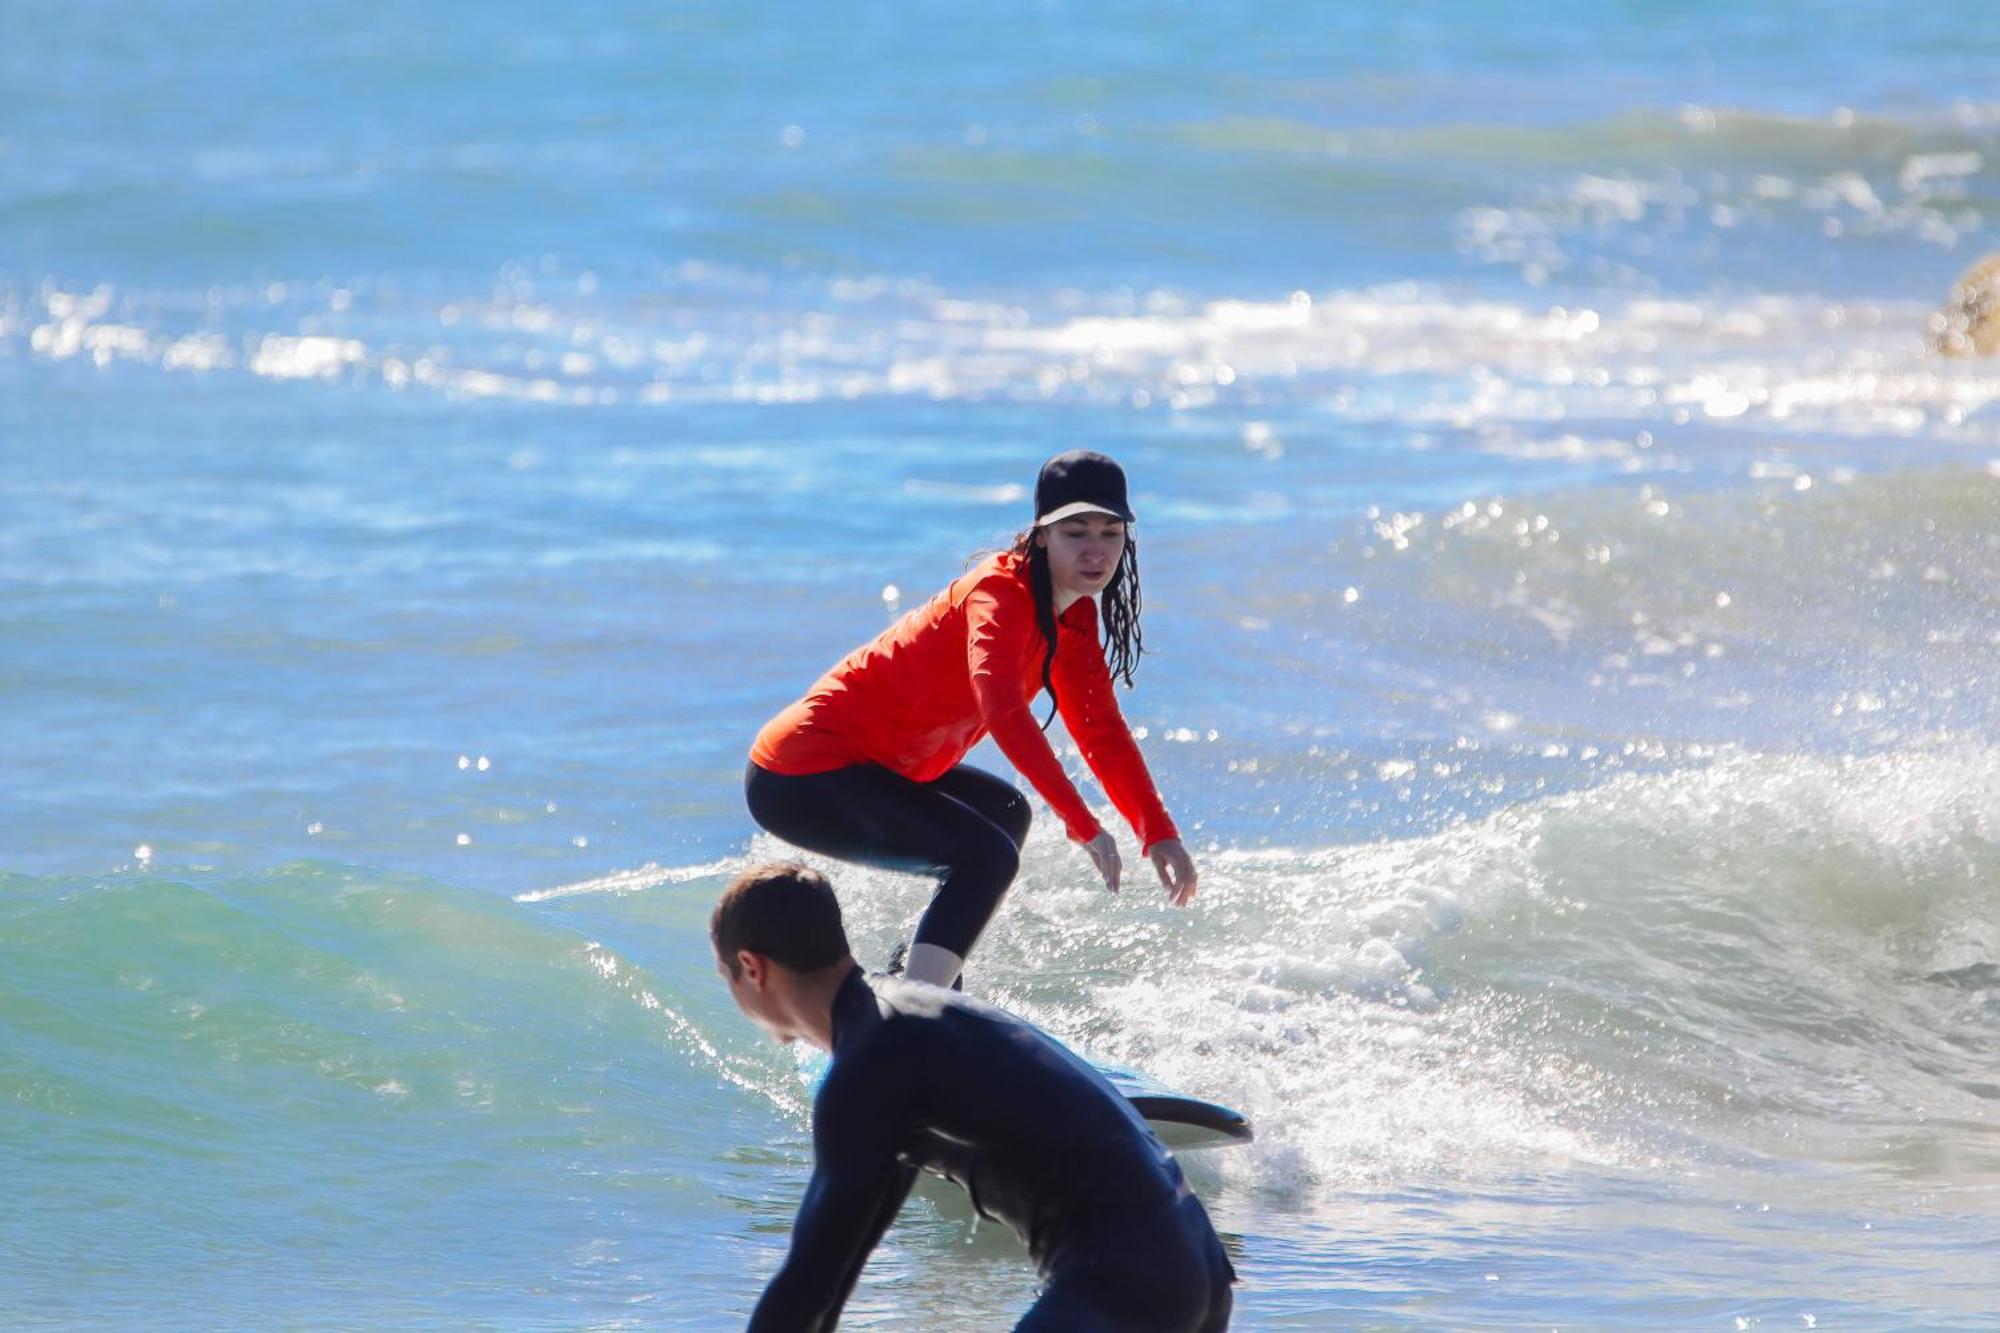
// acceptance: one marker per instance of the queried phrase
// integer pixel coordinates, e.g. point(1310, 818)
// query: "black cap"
point(1080, 482)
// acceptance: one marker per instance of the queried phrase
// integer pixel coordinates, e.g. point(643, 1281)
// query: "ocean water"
point(432, 442)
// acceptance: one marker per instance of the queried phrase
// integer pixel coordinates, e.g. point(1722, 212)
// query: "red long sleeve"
point(966, 664)
point(1001, 636)
point(1089, 706)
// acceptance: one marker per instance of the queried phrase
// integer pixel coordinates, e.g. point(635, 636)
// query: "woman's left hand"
point(1176, 869)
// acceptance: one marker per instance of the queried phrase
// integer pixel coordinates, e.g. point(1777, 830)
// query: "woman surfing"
point(868, 766)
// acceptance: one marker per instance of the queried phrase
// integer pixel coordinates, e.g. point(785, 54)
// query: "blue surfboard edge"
point(1188, 1121)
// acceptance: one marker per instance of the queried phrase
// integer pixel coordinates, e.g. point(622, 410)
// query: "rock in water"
point(1969, 324)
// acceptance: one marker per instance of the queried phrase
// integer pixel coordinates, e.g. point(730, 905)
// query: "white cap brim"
point(1075, 507)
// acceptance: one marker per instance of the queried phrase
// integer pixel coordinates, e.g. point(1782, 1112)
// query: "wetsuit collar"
point(853, 1000)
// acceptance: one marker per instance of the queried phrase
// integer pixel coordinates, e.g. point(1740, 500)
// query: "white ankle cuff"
point(929, 962)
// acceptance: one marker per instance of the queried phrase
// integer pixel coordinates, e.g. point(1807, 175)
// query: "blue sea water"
point(432, 441)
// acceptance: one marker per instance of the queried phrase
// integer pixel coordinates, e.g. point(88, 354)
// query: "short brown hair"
point(783, 910)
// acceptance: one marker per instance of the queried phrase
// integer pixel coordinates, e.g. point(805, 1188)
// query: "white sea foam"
point(284, 357)
point(1399, 352)
point(649, 876)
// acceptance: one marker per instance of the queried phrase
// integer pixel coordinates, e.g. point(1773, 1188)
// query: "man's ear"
point(754, 968)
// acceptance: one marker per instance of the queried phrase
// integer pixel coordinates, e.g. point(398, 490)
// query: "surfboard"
point(1183, 1122)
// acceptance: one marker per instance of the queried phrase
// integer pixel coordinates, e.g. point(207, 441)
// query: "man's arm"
point(857, 1187)
point(892, 1203)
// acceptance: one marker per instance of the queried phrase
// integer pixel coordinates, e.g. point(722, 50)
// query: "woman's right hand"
point(1103, 851)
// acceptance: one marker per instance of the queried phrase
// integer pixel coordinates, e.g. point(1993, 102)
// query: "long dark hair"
point(1123, 642)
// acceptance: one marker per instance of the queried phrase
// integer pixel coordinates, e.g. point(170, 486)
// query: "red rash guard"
point(966, 664)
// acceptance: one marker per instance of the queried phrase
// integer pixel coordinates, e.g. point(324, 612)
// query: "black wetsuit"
point(924, 1077)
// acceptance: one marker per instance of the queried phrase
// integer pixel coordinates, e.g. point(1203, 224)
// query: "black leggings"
point(966, 829)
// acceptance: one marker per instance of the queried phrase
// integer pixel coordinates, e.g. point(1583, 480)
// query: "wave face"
point(323, 1093)
point(1756, 966)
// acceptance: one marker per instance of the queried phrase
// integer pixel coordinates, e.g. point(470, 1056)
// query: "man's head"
point(778, 941)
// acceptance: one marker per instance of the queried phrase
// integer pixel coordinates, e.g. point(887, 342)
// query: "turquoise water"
point(432, 443)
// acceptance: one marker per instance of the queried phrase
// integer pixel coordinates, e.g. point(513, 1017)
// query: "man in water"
point(926, 1078)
